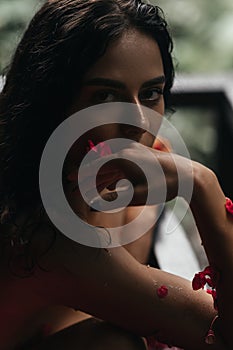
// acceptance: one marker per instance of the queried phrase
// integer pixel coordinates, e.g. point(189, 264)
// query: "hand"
point(163, 169)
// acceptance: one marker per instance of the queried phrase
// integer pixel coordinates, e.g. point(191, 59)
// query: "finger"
point(75, 176)
point(88, 169)
point(139, 198)
point(101, 181)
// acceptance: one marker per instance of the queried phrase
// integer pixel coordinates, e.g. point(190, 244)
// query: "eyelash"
point(98, 96)
point(99, 99)
point(149, 100)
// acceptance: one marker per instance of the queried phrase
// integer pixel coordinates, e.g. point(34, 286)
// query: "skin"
point(89, 279)
point(116, 77)
point(117, 68)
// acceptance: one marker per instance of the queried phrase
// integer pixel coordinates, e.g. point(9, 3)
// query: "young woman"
point(76, 54)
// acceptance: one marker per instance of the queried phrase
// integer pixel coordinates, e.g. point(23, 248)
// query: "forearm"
point(215, 226)
point(125, 293)
point(213, 221)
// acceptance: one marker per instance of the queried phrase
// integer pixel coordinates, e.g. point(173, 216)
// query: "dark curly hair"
point(62, 41)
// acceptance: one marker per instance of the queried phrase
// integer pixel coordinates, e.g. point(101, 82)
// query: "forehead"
point(134, 56)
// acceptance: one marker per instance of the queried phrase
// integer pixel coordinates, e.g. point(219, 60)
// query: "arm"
point(215, 226)
point(184, 316)
point(113, 286)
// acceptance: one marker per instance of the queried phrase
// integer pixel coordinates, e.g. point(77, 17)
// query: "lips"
point(106, 179)
point(102, 149)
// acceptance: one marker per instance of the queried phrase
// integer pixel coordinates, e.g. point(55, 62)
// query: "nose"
point(135, 119)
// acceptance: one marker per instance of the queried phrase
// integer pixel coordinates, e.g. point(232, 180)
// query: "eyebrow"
point(119, 85)
point(158, 80)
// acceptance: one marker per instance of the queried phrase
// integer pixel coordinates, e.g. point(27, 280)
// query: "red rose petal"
point(162, 291)
point(229, 206)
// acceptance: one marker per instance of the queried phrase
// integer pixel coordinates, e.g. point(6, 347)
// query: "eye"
point(104, 96)
point(151, 95)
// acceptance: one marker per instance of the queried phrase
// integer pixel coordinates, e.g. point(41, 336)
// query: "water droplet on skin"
point(175, 287)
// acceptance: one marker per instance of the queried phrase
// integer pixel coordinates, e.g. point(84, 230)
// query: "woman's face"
point(131, 70)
